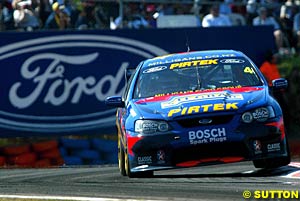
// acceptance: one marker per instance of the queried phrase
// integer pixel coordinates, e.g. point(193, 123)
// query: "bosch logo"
point(207, 136)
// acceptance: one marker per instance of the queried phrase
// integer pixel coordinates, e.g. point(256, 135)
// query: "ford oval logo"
point(232, 61)
point(205, 121)
point(59, 83)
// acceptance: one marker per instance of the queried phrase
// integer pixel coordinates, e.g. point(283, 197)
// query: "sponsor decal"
point(207, 136)
point(155, 69)
point(165, 60)
point(249, 70)
point(273, 147)
point(200, 91)
point(261, 113)
point(59, 83)
point(161, 157)
point(54, 74)
point(194, 63)
point(132, 112)
point(232, 61)
point(205, 121)
point(176, 101)
point(257, 147)
point(143, 160)
point(203, 108)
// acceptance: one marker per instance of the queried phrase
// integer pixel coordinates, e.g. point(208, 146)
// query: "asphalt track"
point(220, 182)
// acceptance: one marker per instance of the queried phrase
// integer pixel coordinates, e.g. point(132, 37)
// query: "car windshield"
point(195, 75)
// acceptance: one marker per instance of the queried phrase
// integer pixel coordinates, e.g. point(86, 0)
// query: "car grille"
point(213, 120)
point(210, 150)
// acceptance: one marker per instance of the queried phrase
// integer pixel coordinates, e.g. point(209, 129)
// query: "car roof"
point(193, 55)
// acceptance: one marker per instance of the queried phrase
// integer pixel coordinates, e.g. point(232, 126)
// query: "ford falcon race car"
point(198, 108)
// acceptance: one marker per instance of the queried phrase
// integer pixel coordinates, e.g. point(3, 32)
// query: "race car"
point(198, 108)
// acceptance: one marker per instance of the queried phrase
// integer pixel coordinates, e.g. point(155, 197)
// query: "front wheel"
point(121, 158)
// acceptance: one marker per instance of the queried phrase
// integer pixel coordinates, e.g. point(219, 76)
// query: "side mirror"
point(279, 84)
point(114, 101)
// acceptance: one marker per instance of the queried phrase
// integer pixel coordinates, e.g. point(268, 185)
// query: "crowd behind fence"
point(30, 15)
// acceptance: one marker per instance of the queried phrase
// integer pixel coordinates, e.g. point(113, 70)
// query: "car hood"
point(202, 102)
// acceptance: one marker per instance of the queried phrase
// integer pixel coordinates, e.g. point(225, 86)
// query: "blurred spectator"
point(226, 7)
point(237, 19)
point(2, 26)
point(296, 30)
point(166, 9)
point(269, 67)
point(264, 19)
point(251, 8)
point(239, 7)
point(137, 21)
point(287, 10)
point(86, 18)
point(24, 17)
point(151, 15)
point(214, 18)
point(287, 14)
point(182, 9)
point(58, 19)
point(273, 6)
point(91, 16)
point(44, 11)
point(101, 17)
point(7, 15)
point(271, 72)
point(131, 19)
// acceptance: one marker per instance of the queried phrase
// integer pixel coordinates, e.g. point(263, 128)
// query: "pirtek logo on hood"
point(203, 108)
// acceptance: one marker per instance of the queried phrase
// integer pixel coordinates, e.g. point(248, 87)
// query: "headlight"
point(260, 114)
point(150, 126)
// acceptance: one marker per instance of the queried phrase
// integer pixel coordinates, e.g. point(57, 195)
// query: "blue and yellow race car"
point(198, 108)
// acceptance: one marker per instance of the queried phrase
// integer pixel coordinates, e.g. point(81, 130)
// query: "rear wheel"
point(121, 158)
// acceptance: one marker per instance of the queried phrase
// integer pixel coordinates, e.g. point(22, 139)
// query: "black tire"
point(121, 158)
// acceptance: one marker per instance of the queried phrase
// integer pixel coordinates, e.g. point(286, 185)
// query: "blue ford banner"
point(55, 83)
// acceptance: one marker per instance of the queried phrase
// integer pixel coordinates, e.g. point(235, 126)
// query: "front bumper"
point(175, 150)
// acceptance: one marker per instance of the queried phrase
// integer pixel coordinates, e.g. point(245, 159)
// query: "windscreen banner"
point(55, 83)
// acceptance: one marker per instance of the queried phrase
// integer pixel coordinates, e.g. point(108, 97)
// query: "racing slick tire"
point(121, 158)
point(143, 174)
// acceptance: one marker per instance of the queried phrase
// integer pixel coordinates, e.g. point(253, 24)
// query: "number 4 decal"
point(248, 70)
